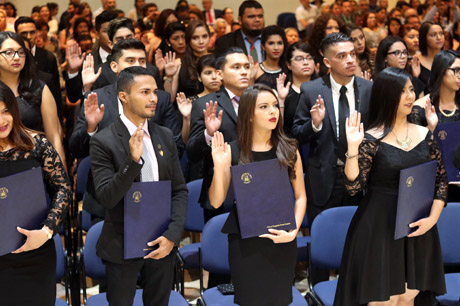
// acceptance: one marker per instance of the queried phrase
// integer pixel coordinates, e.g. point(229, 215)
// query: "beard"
point(251, 33)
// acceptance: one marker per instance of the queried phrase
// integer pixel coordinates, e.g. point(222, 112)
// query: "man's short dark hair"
point(105, 16)
point(125, 79)
point(117, 24)
point(146, 7)
point(21, 20)
point(248, 4)
point(42, 23)
point(222, 59)
point(125, 44)
point(333, 39)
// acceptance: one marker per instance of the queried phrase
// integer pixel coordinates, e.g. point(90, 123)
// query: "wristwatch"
point(48, 233)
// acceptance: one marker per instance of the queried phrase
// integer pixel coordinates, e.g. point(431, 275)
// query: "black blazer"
point(79, 141)
point(232, 39)
point(322, 160)
point(197, 148)
point(114, 171)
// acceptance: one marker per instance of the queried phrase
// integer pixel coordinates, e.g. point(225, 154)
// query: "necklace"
point(452, 112)
point(264, 69)
point(405, 144)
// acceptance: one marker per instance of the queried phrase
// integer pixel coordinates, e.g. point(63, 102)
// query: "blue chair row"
point(91, 265)
point(214, 258)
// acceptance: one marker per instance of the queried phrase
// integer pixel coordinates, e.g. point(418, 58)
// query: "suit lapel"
point(158, 147)
point(326, 94)
point(224, 101)
point(112, 103)
point(240, 41)
point(123, 135)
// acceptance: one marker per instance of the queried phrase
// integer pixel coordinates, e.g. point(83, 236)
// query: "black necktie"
point(344, 112)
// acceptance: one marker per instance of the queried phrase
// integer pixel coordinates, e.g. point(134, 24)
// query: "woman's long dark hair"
point(190, 60)
point(318, 31)
point(424, 28)
point(286, 148)
point(383, 102)
point(276, 30)
point(160, 24)
point(382, 52)
point(171, 28)
point(441, 62)
point(350, 27)
point(18, 136)
point(28, 81)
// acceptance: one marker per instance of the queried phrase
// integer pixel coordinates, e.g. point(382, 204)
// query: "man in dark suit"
point(248, 38)
point(117, 160)
point(221, 114)
point(209, 13)
point(319, 121)
point(102, 107)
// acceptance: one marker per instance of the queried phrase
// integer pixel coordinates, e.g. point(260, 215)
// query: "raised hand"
point(280, 88)
point(93, 113)
point(87, 74)
point(74, 57)
point(280, 236)
point(135, 143)
point(184, 105)
point(355, 131)
point(221, 152)
point(415, 66)
point(253, 68)
point(159, 60)
point(430, 115)
point(211, 121)
point(366, 75)
point(35, 239)
point(317, 112)
point(171, 67)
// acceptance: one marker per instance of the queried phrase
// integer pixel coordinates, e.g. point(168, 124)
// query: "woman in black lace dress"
point(28, 275)
point(376, 269)
point(262, 268)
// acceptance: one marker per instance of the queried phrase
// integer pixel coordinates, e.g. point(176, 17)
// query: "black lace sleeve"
point(441, 175)
point(57, 183)
point(367, 151)
point(417, 116)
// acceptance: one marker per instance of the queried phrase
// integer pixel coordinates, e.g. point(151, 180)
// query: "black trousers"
point(157, 281)
point(339, 197)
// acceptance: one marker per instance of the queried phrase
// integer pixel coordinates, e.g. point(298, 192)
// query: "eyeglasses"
point(399, 53)
point(12, 53)
point(300, 59)
point(455, 71)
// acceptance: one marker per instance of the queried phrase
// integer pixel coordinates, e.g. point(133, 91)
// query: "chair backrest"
point(60, 258)
point(84, 166)
point(195, 219)
point(93, 264)
point(287, 20)
point(449, 229)
point(328, 233)
point(214, 246)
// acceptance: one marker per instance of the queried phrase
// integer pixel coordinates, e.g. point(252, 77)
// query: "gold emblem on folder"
point(137, 196)
point(410, 181)
point(246, 178)
point(442, 135)
point(3, 193)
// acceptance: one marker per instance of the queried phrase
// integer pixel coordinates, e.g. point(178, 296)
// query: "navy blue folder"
point(415, 196)
point(447, 136)
point(147, 213)
point(263, 194)
point(22, 203)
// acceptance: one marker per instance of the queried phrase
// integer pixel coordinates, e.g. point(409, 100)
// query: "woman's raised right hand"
point(221, 152)
point(355, 130)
